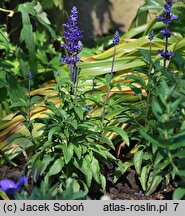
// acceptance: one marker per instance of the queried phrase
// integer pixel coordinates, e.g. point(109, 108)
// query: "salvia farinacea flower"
point(116, 38)
point(166, 33)
point(115, 41)
point(166, 55)
point(73, 46)
point(166, 18)
point(30, 76)
point(58, 73)
point(151, 35)
point(10, 187)
point(72, 36)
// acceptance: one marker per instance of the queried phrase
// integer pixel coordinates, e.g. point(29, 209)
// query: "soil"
point(127, 187)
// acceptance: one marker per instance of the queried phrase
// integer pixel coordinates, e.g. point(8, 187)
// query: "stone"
point(99, 17)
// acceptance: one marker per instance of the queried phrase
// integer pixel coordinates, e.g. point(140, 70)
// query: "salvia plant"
point(165, 122)
point(73, 144)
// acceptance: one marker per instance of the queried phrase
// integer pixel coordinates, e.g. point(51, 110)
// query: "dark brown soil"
point(127, 187)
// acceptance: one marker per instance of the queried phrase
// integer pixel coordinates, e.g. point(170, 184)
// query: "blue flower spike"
point(72, 36)
point(166, 18)
point(73, 46)
point(116, 38)
point(30, 76)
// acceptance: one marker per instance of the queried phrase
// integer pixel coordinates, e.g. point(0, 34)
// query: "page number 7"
point(176, 205)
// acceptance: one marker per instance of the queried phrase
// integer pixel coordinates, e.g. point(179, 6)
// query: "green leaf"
point(178, 142)
point(70, 193)
point(3, 81)
point(27, 30)
point(155, 183)
point(103, 182)
point(35, 100)
point(136, 90)
point(24, 67)
point(3, 195)
point(42, 18)
point(3, 94)
point(41, 13)
point(146, 54)
point(95, 169)
point(179, 193)
point(106, 141)
point(78, 151)
point(98, 68)
point(68, 152)
point(46, 162)
point(59, 4)
point(151, 139)
point(74, 124)
point(160, 166)
point(47, 4)
point(137, 79)
point(85, 167)
point(56, 167)
point(99, 150)
point(138, 158)
point(121, 169)
point(121, 132)
point(53, 131)
point(4, 39)
point(16, 91)
point(156, 109)
point(36, 169)
point(179, 45)
point(41, 55)
point(144, 176)
point(180, 173)
point(80, 112)
point(108, 79)
point(24, 142)
point(180, 154)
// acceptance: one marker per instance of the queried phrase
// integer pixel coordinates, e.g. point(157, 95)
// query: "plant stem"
point(149, 84)
point(29, 100)
point(166, 48)
point(112, 66)
point(168, 151)
point(7, 159)
point(76, 75)
point(30, 126)
point(105, 103)
point(71, 79)
point(109, 86)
